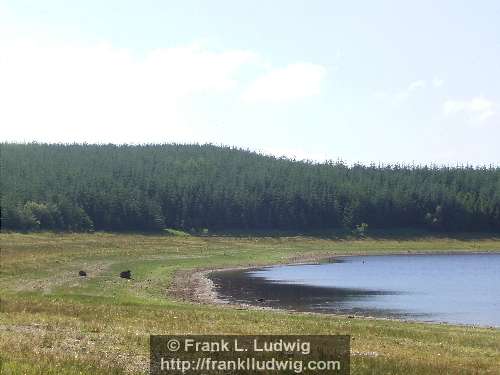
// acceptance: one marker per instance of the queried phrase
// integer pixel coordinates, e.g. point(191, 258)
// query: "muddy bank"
point(193, 285)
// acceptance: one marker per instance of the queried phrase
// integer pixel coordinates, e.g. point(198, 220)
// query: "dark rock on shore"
point(126, 274)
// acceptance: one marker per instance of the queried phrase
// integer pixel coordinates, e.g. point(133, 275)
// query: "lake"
point(453, 288)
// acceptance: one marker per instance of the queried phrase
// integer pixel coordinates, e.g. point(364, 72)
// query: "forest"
point(87, 187)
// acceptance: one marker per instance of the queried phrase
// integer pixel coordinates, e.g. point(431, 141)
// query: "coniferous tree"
point(149, 187)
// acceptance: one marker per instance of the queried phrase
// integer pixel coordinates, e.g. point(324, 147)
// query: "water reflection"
point(248, 287)
point(461, 288)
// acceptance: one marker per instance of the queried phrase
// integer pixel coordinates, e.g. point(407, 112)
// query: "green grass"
point(54, 322)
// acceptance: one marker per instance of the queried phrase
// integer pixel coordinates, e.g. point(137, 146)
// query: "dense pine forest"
point(193, 187)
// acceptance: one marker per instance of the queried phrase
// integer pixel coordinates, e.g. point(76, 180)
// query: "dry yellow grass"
point(55, 322)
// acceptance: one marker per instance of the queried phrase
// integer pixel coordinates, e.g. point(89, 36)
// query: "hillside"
point(150, 187)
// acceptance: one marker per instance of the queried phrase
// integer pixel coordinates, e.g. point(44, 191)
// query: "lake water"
point(453, 288)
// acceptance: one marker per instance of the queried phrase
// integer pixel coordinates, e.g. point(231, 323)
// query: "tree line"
point(81, 187)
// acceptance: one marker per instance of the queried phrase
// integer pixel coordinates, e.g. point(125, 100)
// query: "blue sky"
point(383, 82)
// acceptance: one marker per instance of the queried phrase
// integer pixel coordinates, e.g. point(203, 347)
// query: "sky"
point(361, 81)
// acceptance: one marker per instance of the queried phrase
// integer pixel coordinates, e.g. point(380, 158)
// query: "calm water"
point(461, 288)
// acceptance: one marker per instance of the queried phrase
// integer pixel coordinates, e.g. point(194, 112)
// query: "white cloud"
point(478, 108)
point(437, 82)
point(398, 97)
point(295, 81)
point(416, 86)
point(59, 92)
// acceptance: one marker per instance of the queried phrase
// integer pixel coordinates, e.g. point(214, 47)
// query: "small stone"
point(82, 273)
point(126, 274)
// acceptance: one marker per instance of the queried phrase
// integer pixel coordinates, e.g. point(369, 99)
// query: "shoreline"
point(195, 286)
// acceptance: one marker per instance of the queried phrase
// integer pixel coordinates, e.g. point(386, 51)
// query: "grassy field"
point(55, 322)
